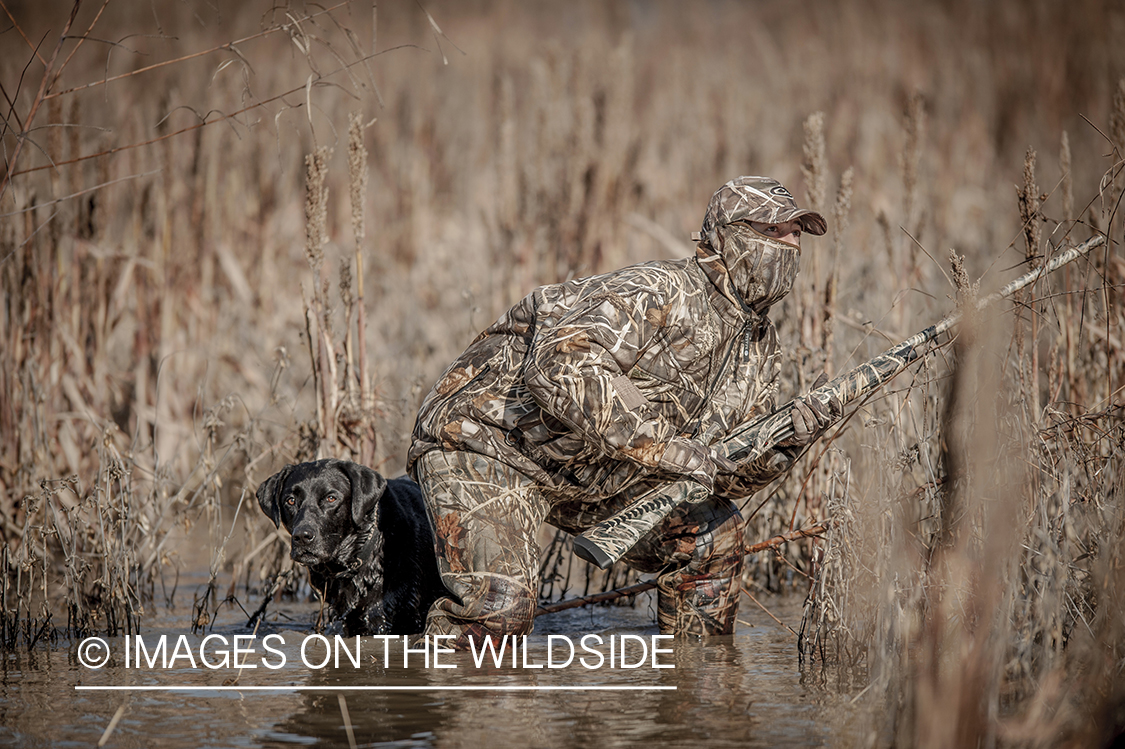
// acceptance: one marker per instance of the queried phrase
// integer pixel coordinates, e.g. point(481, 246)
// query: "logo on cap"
point(779, 190)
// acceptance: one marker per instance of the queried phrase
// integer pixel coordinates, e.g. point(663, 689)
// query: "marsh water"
point(747, 690)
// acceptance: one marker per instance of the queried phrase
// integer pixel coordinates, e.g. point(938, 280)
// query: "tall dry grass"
point(166, 343)
point(976, 583)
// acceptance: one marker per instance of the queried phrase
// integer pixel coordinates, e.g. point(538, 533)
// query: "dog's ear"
point(367, 487)
point(269, 494)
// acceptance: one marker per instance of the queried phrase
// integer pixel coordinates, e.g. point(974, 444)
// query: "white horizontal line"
point(344, 688)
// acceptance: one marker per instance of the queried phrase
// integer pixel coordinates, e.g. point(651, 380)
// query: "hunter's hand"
point(811, 417)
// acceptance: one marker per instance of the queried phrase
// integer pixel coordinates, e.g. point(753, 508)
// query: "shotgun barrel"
point(606, 542)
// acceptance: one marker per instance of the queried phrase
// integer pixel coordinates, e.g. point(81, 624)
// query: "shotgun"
point(606, 542)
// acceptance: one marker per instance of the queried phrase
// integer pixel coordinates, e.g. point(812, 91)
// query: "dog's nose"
point(304, 536)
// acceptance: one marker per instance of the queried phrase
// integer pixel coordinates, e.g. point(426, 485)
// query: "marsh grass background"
point(188, 306)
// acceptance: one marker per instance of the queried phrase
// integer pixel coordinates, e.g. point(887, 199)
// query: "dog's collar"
point(362, 553)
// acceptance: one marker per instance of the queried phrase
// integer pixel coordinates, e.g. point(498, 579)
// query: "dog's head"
point(328, 506)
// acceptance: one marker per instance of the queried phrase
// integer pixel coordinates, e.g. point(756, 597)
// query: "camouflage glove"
point(811, 417)
point(695, 461)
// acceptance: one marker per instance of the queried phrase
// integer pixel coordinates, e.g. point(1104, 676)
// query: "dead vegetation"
point(176, 326)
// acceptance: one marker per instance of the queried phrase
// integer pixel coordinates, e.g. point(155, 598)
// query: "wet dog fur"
point(366, 542)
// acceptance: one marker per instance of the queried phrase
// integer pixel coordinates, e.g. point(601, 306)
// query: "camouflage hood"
point(754, 270)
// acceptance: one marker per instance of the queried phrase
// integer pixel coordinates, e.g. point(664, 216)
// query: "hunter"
point(588, 393)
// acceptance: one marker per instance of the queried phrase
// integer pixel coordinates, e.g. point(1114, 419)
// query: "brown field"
point(161, 287)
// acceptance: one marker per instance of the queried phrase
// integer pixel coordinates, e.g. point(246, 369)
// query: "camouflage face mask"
point(761, 269)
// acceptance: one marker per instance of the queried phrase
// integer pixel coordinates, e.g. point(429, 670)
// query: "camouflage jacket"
point(583, 385)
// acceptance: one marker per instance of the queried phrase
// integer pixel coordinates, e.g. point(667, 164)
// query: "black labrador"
point(366, 541)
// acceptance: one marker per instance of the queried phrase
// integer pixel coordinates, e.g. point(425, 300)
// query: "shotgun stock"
point(605, 543)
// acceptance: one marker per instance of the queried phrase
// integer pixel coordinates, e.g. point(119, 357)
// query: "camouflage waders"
point(485, 515)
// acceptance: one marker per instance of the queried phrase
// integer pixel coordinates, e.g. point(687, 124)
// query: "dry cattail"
point(1054, 374)
point(915, 125)
point(966, 291)
point(74, 143)
point(357, 175)
point(316, 206)
point(619, 102)
point(1117, 119)
point(1067, 180)
point(842, 209)
point(346, 285)
point(1028, 197)
point(348, 299)
point(534, 177)
point(815, 168)
point(54, 140)
point(840, 224)
point(1117, 136)
point(507, 163)
point(884, 222)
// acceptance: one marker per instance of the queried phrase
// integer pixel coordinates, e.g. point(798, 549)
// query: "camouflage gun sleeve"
point(606, 542)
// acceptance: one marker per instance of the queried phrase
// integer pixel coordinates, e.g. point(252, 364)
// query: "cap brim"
point(811, 221)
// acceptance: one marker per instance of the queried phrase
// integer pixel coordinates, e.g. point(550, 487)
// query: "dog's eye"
point(291, 501)
point(331, 497)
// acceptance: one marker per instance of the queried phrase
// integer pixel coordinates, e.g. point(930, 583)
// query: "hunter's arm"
point(578, 373)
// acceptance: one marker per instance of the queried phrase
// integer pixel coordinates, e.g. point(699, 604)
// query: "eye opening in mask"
point(770, 230)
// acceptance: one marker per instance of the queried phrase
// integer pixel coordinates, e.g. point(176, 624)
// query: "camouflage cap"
point(758, 199)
